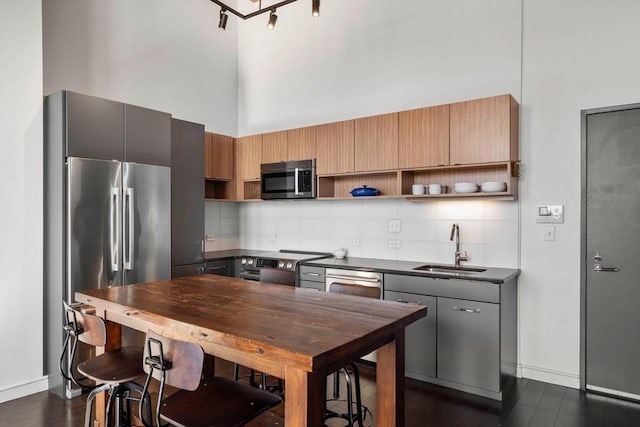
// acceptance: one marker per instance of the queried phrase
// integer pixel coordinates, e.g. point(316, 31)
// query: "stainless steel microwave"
point(288, 180)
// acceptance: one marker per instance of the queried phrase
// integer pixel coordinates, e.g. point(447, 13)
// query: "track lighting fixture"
point(273, 18)
point(223, 19)
point(224, 8)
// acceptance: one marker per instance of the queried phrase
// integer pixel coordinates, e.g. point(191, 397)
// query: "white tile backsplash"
point(488, 229)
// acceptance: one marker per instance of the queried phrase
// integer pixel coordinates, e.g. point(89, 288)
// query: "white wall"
point(222, 223)
point(577, 55)
point(162, 54)
point(21, 190)
point(364, 57)
point(488, 230)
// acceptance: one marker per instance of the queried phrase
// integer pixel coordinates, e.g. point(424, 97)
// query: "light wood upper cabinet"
point(376, 143)
point(301, 143)
point(274, 147)
point(423, 137)
point(218, 157)
point(248, 157)
point(484, 130)
point(334, 151)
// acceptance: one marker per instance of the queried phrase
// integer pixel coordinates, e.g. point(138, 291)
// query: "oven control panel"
point(251, 263)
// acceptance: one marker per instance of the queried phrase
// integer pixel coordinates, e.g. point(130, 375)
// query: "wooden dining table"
point(299, 335)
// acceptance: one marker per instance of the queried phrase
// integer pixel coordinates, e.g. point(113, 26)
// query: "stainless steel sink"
point(450, 269)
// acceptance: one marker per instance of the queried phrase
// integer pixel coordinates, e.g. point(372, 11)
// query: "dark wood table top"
point(316, 329)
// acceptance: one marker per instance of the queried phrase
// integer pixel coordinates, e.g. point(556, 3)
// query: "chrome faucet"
point(459, 256)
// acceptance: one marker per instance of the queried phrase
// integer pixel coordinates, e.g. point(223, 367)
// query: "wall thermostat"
point(550, 214)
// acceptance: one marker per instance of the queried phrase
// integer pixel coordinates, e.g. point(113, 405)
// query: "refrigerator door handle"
point(114, 218)
point(129, 215)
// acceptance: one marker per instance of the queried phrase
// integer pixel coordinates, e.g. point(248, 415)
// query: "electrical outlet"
point(271, 237)
point(394, 244)
point(354, 242)
point(211, 237)
point(394, 225)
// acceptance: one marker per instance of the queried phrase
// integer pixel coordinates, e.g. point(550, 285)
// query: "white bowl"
point(339, 253)
point(493, 187)
point(465, 187)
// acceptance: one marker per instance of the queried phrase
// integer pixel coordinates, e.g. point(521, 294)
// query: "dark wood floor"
point(530, 403)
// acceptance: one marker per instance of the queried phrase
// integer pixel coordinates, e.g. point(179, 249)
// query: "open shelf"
point(449, 175)
point(340, 186)
point(250, 190)
point(218, 190)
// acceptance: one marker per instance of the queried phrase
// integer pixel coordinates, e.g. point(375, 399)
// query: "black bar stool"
point(113, 371)
point(217, 401)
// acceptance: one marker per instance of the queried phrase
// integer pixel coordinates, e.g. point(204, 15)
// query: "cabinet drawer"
point(469, 343)
point(420, 337)
point(451, 288)
point(312, 285)
point(222, 267)
point(314, 274)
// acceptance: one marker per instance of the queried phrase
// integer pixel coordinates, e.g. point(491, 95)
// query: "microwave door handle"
point(297, 188)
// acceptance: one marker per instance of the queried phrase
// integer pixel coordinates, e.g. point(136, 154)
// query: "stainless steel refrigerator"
point(107, 212)
point(118, 224)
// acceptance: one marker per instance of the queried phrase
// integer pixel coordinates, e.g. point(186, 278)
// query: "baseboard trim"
point(22, 390)
point(553, 376)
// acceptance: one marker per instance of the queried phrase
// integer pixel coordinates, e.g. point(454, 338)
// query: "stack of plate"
point(493, 187)
point(465, 187)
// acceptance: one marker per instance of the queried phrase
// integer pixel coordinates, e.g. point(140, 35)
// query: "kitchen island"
point(296, 334)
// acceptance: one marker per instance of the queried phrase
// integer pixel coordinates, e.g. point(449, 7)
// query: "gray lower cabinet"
point(420, 337)
point(468, 340)
point(311, 277)
point(469, 343)
point(222, 267)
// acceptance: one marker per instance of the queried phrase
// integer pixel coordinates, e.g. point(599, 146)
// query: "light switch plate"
point(211, 237)
point(550, 214)
point(271, 237)
point(394, 225)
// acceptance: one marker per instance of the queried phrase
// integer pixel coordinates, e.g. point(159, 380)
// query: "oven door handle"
point(353, 278)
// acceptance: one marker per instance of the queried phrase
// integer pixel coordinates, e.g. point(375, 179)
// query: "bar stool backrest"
point(90, 329)
point(357, 290)
point(182, 361)
point(279, 277)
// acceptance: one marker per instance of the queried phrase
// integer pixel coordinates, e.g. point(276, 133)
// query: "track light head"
point(273, 18)
point(315, 8)
point(223, 19)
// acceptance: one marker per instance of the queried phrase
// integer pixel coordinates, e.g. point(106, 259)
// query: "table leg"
point(114, 341)
point(305, 398)
point(390, 383)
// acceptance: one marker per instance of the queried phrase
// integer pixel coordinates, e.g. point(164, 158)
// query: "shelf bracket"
point(515, 169)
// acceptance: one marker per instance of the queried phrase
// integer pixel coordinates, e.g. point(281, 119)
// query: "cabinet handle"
point(411, 302)
point(466, 310)
point(222, 267)
point(311, 274)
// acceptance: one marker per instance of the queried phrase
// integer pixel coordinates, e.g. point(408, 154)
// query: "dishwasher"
point(369, 279)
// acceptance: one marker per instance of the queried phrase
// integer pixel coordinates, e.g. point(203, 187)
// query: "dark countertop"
point(491, 274)
point(230, 253)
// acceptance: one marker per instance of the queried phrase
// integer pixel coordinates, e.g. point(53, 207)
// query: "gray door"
point(612, 232)
point(93, 227)
point(146, 219)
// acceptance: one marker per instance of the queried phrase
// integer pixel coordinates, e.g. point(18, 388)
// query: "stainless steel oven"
point(288, 180)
